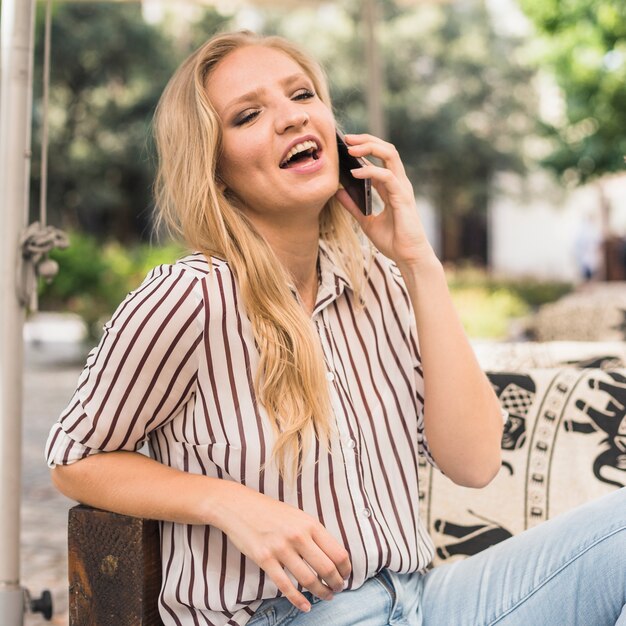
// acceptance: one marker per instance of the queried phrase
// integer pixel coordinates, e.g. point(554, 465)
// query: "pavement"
point(51, 370)
point(595, 311)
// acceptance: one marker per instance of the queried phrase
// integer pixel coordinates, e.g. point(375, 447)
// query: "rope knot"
point(36, 243)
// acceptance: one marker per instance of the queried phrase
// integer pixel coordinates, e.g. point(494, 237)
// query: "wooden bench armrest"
point(114, 569)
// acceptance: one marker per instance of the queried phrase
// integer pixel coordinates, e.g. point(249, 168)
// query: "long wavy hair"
point(290, 382)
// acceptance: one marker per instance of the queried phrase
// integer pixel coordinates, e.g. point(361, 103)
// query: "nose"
point(292, 116)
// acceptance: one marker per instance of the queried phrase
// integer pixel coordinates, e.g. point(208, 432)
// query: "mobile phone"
point(360, 190)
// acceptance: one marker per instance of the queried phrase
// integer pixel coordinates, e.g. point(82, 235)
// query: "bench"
point(564, 444)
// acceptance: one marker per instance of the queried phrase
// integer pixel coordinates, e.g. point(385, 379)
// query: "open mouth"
point(301, 153)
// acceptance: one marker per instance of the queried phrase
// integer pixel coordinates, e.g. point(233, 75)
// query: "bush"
point(95, 277)
point(486, 314)
point(488, 305)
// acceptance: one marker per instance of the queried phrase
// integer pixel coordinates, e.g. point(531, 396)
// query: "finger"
point(389, 157)
point(366, 145)
point(334, 551)
point(384, 181)
point(307, 576)
point(359, 138)
point(275, 571)
point(323, 566)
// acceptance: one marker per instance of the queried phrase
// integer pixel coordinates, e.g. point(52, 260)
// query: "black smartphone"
point(360, 190)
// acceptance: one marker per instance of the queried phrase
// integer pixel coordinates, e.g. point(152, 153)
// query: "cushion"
point(564, 444)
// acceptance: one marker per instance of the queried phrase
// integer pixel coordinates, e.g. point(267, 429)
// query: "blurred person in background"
point(588, 248)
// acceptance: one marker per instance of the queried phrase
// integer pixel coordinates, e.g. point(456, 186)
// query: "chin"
point(326, 192)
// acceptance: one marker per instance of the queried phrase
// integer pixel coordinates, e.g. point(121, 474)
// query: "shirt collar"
point(332, 278)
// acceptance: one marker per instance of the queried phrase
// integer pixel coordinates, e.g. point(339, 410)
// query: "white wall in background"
point(533, 224)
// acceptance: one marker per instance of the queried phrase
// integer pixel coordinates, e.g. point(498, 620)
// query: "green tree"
point(458, 102)
point(460, 105)
point(108, 70)
point(584, 44)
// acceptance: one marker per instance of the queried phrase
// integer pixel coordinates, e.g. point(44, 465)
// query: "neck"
point(299, 257)
point(297, 250)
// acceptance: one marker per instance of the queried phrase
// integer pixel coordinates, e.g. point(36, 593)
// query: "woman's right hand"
point(279, 537)
point(275, 535)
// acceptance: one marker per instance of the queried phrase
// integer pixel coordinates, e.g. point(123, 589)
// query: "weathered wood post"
point(120, 557)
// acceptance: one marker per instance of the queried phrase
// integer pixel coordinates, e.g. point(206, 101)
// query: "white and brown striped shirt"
point(176, 366)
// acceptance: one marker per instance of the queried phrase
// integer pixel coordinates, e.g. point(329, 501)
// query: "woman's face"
point(279, 152)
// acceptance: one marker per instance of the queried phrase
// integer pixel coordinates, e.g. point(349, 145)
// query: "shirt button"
point(330, 376)
point(366, 513)
point(351, 444)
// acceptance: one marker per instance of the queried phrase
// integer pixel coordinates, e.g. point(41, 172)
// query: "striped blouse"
point(175, 367)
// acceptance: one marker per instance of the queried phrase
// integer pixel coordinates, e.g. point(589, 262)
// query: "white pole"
point(16, 37)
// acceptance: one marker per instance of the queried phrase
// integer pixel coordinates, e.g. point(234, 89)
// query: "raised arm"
point(462, 417)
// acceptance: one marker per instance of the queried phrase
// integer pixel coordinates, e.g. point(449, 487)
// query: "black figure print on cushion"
point(603, 362)
point(516, 393)
point(610, 465)
point(471, 538)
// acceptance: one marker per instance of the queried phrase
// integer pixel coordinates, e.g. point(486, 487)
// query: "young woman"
point(278, 377)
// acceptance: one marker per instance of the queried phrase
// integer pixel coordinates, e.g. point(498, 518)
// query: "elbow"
point(489, 462)
point(478, 474)
point(481, 479)
point(63, 478)
point(57, 478)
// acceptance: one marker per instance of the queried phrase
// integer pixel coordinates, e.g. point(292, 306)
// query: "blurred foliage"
point(95, 277)
point(584, 45)
point(108, 69)
point(458, 102)
point(488, 305)
point(488, 314)
point(532, 291)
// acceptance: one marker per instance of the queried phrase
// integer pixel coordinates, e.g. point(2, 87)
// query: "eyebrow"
point(256, 93)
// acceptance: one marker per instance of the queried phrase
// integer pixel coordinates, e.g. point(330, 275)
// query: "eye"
point(303, 94)
point(245, 117)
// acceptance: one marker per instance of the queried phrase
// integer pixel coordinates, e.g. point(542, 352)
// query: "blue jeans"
point(568, 571)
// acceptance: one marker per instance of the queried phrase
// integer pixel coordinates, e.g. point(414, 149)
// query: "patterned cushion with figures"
point(564, 444)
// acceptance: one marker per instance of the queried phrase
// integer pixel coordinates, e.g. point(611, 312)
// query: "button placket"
point(348, 442)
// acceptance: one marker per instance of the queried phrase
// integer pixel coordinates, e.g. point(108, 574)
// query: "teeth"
point(300, 147)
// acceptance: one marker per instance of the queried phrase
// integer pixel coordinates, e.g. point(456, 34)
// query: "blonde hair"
point(290, 382)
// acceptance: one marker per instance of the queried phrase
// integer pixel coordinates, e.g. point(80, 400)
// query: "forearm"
point(275, 535)
point(134, 484)
point(462, 417)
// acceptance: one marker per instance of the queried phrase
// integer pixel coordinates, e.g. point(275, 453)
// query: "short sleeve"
point(140, 375)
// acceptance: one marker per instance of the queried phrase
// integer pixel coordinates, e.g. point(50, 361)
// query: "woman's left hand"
point(397, 230)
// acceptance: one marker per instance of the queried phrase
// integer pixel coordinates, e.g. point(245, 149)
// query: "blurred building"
point(533, 224)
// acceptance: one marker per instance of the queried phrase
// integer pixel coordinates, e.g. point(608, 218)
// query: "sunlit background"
point(510, 118)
